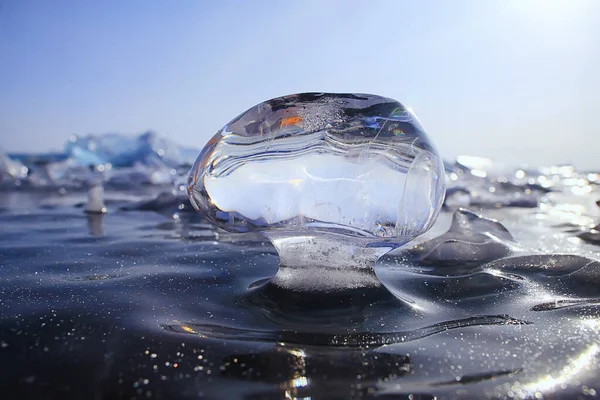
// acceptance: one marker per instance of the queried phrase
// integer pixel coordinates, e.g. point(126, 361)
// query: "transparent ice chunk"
point(325, 168)
point(354, 164)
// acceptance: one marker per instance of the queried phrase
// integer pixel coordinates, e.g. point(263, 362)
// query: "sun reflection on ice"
point(570, 371)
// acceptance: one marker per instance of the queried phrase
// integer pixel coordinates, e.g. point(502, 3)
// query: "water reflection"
point(303, 372)
point(95, 224)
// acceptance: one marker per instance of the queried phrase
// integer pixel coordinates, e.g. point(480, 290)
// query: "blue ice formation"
point(11, 169)
point(126, 161)
point(125, 151)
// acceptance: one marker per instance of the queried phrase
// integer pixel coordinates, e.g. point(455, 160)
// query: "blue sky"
point(514, 80)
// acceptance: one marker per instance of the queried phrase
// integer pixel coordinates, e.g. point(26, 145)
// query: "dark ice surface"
point(150, 301)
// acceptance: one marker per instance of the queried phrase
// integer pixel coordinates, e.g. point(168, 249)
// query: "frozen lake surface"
point(151, 301)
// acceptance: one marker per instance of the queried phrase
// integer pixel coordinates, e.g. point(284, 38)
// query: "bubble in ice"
point(356, 165)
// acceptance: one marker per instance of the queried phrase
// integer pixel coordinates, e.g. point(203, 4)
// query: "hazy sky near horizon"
point(514, 80)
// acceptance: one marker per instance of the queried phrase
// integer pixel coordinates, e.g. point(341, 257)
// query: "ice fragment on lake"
point(471, 240)
point(11, 170)
point(591, 236)
point(457, 198)
point(351, 164)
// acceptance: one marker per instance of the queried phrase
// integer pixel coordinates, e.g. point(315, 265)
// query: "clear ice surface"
point(356, 165)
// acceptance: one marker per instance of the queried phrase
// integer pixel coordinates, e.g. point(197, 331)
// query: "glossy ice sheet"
point(137, 303)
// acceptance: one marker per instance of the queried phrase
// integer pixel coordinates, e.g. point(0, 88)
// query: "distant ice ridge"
point(126, 151)
point(123, 160)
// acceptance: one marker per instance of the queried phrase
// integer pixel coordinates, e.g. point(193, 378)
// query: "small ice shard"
point(457, 198)
point(471, 240)
point(95, 202)
point(352, 169)
point(12, 170)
